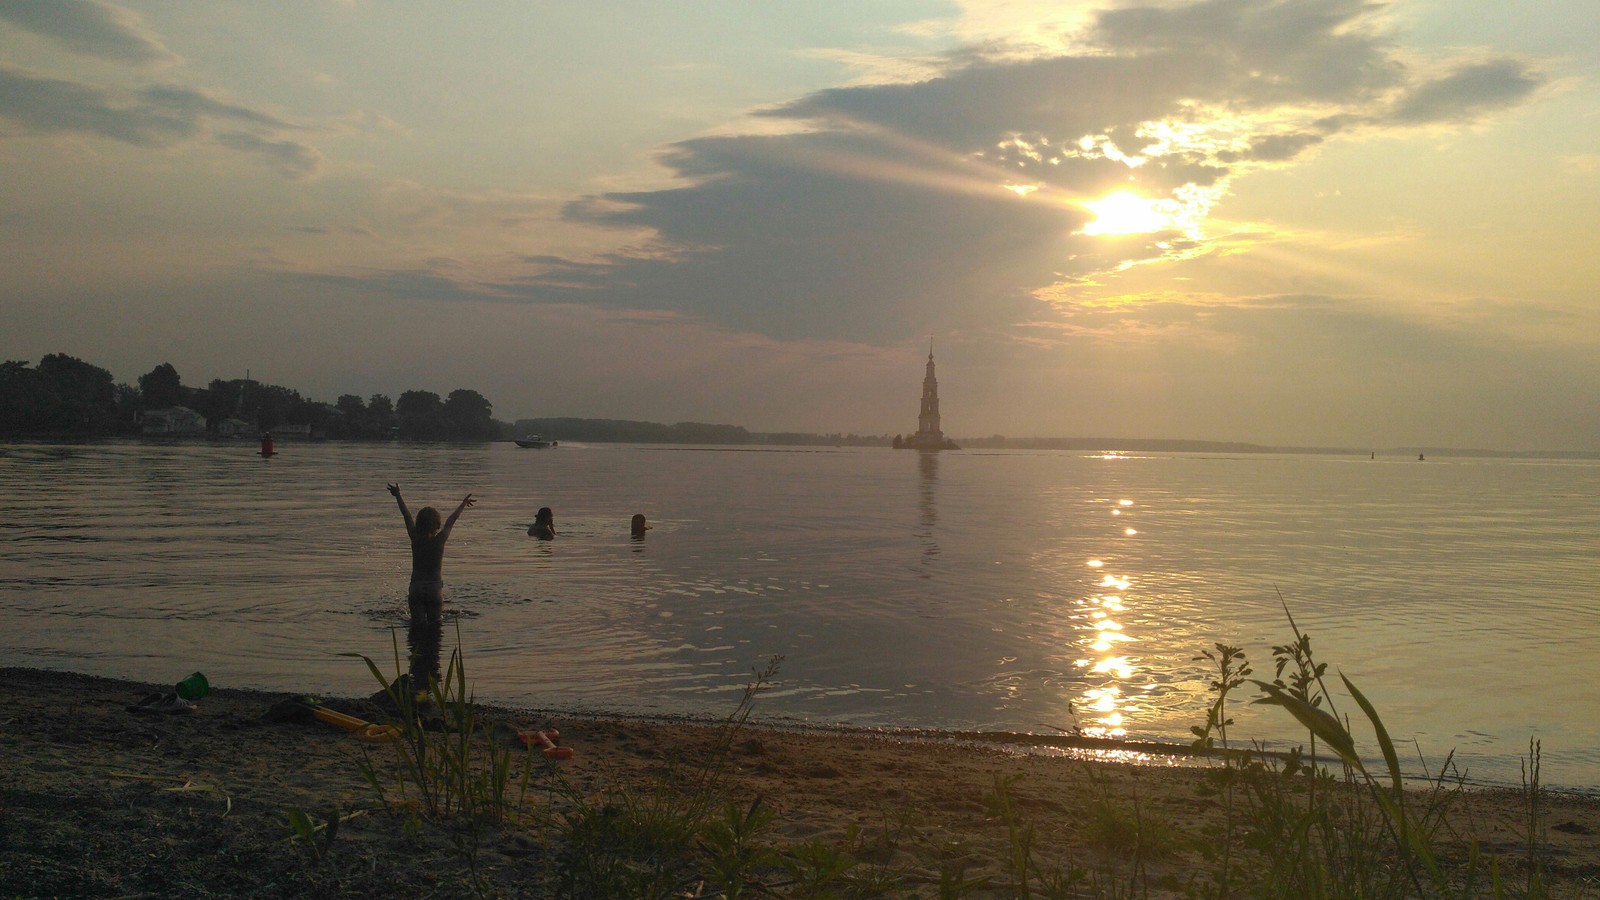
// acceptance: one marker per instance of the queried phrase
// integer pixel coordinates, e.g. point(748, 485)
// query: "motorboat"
point(534, 442)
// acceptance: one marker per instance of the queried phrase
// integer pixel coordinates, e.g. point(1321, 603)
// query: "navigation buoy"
point(266, 445)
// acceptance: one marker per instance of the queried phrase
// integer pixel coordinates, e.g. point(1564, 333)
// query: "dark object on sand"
point(303, 708)
point(162, 704)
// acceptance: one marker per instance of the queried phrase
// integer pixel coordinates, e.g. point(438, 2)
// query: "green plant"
point(454, 769)
point(1232, 670)
point(626, 844)
point(461, 777)
point(1294, 827)
point(655, 840)
point(1533, 796)
point(315, 841)
point(733, 848)
point(818, 868)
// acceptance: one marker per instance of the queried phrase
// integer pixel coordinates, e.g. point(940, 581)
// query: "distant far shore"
point(608, 431)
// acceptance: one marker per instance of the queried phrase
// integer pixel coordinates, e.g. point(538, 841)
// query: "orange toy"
point(363, 730)
point(546, 739)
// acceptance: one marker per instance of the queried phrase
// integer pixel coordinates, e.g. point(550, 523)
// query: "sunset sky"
point(1311, 222)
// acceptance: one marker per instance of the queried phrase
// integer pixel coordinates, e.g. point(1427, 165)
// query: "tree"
point(351, 405)
point(128, 402)
point(160, 387)
point(271, 405)
point(220, 400)
point(84, 395)
point(470, 416)
point(421, 416)
point(24, 398)
point(380, 415)
point(351, 418)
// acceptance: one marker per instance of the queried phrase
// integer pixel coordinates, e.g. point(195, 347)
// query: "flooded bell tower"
point(929, 435)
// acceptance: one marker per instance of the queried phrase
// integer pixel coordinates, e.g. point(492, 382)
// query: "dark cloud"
point(159, 116)
point(1274, 148)
point(1469, 91)
point(971, 108)
point(192, 104)
point(1271, 51)
point(294, 160)
point(404, 284)
point(801, 236)
point(52, 105)
point(90, 27)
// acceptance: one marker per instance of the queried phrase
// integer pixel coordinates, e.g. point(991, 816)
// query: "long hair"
point(427, 522)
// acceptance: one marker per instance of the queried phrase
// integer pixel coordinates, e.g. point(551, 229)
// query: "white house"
point(174, 420)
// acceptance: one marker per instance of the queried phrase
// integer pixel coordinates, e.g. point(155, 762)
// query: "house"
point(174, 420)
point(293, 430)
point(235, 428)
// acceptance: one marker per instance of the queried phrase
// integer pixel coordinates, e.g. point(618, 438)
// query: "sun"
point(1125, 212)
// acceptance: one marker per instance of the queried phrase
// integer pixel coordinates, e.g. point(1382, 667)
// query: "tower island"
point(928, 436)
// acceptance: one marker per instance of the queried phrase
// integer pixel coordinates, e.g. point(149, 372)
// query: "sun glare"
point(1125, 212)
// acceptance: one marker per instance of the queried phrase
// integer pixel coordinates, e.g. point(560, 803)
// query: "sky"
point(1293, 222)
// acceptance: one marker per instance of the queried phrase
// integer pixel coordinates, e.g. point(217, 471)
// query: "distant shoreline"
point(788, 439)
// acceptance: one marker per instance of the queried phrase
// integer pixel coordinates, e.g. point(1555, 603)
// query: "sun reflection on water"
point(1107, 666)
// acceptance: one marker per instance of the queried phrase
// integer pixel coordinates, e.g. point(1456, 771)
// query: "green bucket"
point(194, 687)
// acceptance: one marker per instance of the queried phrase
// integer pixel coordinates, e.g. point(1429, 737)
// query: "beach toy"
point(546, 740)
point(194, 687)
point(362, 729)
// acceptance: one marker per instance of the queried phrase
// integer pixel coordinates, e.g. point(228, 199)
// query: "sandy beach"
point(96, 800)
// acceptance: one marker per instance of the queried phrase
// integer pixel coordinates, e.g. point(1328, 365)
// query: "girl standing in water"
point(426, 596)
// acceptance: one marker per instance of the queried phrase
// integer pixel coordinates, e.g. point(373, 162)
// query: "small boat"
point(534, 442)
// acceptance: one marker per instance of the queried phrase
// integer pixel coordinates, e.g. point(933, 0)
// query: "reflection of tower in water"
point(927, 504)
point(1106, 666)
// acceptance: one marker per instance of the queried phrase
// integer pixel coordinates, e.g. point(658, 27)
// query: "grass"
point(1327, 819)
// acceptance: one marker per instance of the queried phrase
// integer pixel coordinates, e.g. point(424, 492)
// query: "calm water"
point(971, 590)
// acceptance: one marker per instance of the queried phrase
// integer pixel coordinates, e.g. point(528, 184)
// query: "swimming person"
point(426, 596)
point(544, 525)
point(638, 525)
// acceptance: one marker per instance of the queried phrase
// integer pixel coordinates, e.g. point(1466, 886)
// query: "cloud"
point(92, 28)
point(156, 117)
point(52, 105)
point(294, 160)
point(883, 210)
point(1469, 91)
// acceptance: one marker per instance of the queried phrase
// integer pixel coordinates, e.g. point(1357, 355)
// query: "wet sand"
point(99, 801)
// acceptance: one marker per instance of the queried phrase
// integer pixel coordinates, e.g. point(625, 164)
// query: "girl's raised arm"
point(411, 526)
point(450, 522)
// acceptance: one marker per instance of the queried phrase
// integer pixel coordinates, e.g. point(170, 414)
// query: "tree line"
point(68, 397)
point(628, 431)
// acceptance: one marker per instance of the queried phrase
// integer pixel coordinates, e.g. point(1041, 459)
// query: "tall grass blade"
point(1390, 757)
point(1318, 722)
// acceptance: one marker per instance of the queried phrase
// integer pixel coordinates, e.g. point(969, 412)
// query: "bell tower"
point(929, 435)
point(928, 432)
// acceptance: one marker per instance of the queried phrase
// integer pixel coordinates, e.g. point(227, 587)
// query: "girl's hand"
point(468, 501)
point(394, 489)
